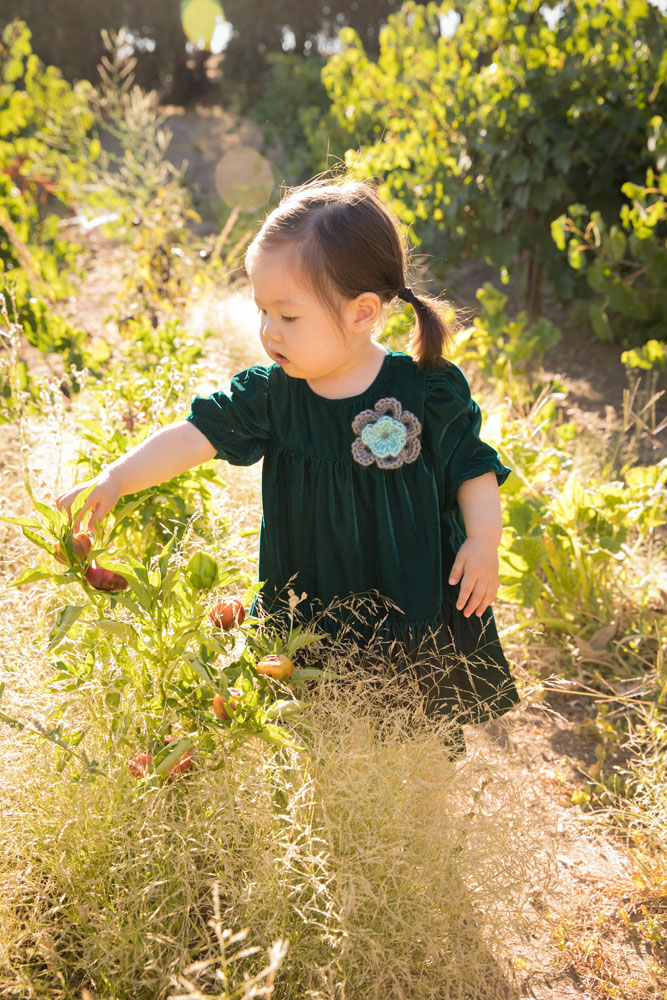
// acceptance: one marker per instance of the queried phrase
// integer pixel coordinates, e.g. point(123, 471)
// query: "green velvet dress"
point(359, 498)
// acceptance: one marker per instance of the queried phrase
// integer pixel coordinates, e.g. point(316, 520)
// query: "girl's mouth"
point(280, 359)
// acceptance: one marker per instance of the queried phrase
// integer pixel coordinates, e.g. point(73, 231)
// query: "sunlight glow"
point(244, 177)
point(200, 19)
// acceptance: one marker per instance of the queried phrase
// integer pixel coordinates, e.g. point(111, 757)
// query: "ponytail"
point(432, 333)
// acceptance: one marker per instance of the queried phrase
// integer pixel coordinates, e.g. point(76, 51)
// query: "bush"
point(624, 264)
point(294, 112)
point(482, 138)
point(45, 149)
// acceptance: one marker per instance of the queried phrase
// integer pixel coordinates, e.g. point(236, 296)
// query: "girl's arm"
point(170, 451)
point(476, 563)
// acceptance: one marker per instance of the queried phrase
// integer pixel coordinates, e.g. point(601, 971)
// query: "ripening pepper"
point(201, 571)
point(105, 579)
point(275, 665)
point(82, 546)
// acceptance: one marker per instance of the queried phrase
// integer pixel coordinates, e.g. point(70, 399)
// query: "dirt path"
point(584, 943)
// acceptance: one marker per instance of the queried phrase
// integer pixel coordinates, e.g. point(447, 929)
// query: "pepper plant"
point(143, 664)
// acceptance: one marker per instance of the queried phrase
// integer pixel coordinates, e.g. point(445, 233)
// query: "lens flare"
point(243, 177)
point(200, 19)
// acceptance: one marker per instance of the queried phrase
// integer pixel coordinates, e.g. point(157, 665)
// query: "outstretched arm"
point(476, 563)
point(170, 451)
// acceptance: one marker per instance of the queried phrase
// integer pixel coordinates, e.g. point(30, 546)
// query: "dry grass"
point(232, 318)
point(393, 872)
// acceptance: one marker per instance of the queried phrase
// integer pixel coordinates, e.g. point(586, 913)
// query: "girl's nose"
point(272, 329)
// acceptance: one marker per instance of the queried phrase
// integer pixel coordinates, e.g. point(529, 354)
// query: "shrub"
point(483, 137)
point(625, 264)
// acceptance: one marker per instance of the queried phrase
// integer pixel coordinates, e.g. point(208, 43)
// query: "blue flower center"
point(385, 438)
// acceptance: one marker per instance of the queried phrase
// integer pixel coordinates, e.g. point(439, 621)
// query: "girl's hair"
point(346, 243)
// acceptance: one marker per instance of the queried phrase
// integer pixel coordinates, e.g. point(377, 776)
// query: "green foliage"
point(151, 348)
point(146, 661)
point(483, 137)
point(45, 146)
point(141, 392)
point(154, 515)
point(50, 163)
point(652, 356)
point(506, 351)
point(569, 541)
point(625, 264)
point(294, 112)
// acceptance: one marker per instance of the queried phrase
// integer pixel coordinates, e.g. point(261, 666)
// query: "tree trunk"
point(533, 289)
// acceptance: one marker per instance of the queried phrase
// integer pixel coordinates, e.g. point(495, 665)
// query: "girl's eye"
point(288, 319)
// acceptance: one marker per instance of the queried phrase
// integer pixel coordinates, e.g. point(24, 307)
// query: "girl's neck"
point(356, 380)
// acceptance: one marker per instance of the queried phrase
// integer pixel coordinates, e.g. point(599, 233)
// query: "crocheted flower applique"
point(387, 435)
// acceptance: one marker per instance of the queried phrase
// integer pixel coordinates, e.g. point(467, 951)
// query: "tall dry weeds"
point(392, 871)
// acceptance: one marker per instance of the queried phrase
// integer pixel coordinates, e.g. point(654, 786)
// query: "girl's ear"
point(364, 312)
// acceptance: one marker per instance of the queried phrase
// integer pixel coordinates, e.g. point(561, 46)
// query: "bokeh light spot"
point(244, 177)
point(200, 19)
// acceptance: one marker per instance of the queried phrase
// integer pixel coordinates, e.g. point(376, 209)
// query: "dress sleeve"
point(452, 421)
point(236, 422)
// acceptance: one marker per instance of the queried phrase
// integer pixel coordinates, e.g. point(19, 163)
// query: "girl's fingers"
point(456, 572)
point(62, 502)
point(464, 592)
point(95, 508)
point(487, 600)
point(65, 500)
point(478, 599)
point(483, 605)
point(97, 515)
point(96, 512)
point(77, 524)
point(475, 599)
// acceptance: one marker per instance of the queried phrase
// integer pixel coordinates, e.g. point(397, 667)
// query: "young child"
point(374, 476)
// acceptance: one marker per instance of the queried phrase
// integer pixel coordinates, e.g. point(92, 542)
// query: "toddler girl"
point(374, 478)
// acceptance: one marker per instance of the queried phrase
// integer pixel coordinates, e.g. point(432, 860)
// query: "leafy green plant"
point(651, 356)
point(482, 137)
point(506, 351)
point(142, 390)
point(138, 651)
point(569, 542)
point(294, 112)
point(45, 147)
point(625, 264)
point(151, 517)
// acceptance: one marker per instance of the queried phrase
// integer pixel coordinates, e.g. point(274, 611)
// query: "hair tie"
point(407, 295)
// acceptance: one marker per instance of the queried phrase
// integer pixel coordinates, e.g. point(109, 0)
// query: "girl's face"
point(299, 333)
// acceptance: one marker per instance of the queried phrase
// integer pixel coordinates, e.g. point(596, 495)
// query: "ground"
point(581, 943)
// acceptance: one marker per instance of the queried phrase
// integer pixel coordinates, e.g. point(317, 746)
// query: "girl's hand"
point(103, 498)
point(476, 566)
